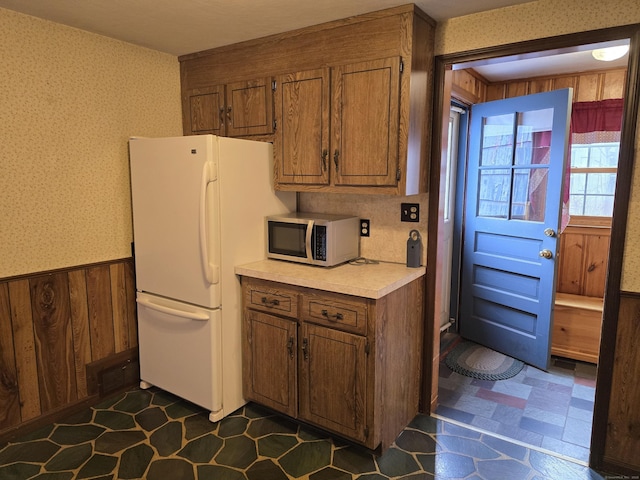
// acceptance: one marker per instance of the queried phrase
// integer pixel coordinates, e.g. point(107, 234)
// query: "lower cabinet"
point(349, 365)
point(272, 361)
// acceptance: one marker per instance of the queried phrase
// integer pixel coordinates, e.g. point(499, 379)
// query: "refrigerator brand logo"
point(193, 151)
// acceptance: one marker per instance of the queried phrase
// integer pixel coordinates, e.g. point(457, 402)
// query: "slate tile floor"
point(550, 410)
point(156, 436)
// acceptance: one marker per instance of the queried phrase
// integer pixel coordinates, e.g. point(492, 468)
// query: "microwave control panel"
point(320, 249)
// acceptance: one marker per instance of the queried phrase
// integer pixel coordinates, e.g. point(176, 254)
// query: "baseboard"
point(14, 433)
point(106, 377)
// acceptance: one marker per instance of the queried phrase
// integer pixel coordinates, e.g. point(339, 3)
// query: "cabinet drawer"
point(336, 311)
point(270, 298)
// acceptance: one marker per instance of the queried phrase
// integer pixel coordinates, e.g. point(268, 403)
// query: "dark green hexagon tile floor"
point(157, 436)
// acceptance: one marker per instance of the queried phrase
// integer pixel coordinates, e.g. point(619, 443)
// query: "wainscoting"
point(622, 442)
point(52, 326)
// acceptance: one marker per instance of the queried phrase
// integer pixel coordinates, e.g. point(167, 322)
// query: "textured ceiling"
point(179, 27)
point(185, 26)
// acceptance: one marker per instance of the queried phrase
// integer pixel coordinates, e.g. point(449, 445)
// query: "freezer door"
point(180, 349)
point(176, 217)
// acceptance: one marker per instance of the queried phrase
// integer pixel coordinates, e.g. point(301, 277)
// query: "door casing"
point(442, 99)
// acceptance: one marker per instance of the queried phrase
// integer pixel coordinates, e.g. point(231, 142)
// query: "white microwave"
point(313, 238)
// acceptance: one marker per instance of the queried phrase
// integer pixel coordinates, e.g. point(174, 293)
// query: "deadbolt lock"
point(549, 232)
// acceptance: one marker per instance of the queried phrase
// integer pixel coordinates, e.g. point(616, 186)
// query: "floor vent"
point(113, 374)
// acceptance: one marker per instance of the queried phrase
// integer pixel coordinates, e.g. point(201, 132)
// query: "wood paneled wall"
point(622, 443)
point(51, 326)
point(470, 87)
point(584, 253)
point(587, 86)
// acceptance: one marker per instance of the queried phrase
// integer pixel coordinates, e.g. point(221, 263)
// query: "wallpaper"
point(545, 18)
point(529, 21)
point(69, 100)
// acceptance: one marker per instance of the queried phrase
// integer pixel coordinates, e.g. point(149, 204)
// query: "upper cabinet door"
point(206, 108)
point(249, 107)
point(365, 122)
point(301, 143)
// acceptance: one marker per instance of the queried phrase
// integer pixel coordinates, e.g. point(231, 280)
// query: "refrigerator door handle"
point(210, 270)
point(172, 311)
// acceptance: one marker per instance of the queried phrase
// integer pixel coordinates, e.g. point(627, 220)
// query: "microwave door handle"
point(308, 240)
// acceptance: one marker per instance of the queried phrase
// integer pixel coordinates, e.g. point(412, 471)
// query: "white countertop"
point(371, 280)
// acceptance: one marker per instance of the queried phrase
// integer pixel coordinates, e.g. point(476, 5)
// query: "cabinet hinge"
point(401, 65)
point(366, 348)
point(273, 85)
point(398, 175)
point(275, 125)
point(366, 432)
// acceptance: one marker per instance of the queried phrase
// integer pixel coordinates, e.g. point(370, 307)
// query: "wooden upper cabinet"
point(249, 108)
point(232, 110)
point(206, 107)
point(365, 122)
point(301, 142)
point(339, 95)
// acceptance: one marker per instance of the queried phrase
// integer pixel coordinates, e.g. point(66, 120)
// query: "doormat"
point(473, 360)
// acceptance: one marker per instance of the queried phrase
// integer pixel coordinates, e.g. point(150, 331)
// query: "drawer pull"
point(335, 318)
point(270, 303)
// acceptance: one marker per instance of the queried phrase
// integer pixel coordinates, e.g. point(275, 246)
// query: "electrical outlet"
point(410, 212)
point(365, 227)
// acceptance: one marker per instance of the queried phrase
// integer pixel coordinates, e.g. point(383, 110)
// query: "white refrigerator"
point(199, 204)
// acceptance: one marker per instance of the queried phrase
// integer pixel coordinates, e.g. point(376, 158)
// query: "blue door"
point(517, 156)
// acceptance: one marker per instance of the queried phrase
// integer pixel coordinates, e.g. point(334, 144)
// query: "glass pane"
point(533, 137)
point(579, 156)
point(497, 140)
point(599, 205)
point(603, 155)
point(602, 183)
point(493, 193)
point(529, 194)
point(578, 183)
point(576, 204)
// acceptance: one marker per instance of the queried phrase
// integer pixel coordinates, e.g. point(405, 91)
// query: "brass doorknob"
point(546, 253)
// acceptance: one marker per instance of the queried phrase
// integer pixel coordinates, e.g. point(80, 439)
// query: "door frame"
point(442, 97)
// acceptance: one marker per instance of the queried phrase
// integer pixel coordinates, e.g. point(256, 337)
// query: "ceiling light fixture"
point(610, 53)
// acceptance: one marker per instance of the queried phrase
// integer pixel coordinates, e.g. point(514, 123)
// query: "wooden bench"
point(577, 323)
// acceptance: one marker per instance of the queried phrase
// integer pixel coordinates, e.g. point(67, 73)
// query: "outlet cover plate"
point(365, 227)
point(409, 212)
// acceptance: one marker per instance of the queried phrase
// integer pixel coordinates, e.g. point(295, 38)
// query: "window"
point(593, 178)
point(595, 144)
